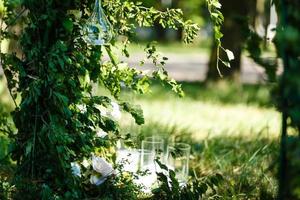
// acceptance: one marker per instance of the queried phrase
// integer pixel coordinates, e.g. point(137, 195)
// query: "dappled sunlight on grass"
point(174, 47)
point(233, 130)
point(204, 118)
point(248, 162)
point(209, 110)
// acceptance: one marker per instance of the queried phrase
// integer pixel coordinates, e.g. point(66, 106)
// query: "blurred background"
point(230, 122)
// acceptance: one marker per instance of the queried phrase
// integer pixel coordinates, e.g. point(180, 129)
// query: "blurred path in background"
point(193, 67)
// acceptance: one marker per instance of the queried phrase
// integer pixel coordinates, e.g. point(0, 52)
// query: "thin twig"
point(218, 59)
point(109, 52)
point(34, 141)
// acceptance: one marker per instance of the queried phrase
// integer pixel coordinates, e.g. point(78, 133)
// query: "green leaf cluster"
point(217, 18)
point(286, 93)
point(171, 189)
point(50, 78)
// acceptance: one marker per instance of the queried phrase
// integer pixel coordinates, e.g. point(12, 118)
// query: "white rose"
point(96, 180)
point(102, 110)
point(82, 108)
point(101, 134)
point(115, 113)
point(75, 167)
point(85, 163)
point(101, 166)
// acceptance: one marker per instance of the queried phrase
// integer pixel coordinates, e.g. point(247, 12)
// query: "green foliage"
point(50, 79)
point(170, 188)
point(6, 189)
point(286, 92)
point(293, 146)
point(255, 48)
point(217, 18)
point(287, 36)
point(6, 131)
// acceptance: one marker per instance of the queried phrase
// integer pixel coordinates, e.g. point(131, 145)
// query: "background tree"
point(286, 90)
point(195, 10)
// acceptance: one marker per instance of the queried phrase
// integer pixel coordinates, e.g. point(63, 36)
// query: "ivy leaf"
point(135, 111)
point(216, 4)
point(28, 148)
point(68, 25)
point(61, 98)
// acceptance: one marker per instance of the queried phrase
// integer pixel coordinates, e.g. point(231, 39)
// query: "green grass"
point(222, 92)
point(219, 109)
point(233, 131)
point(247, 162)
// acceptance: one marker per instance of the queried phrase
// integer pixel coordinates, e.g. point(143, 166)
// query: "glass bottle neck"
point(97, 9)
point(97, 4)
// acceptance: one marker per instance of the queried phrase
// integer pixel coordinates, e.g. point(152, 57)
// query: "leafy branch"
point(217, 19)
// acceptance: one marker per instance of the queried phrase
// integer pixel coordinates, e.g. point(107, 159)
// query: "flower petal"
point(101, 134)
point(115, 113)
point(95, 180)
point(101, 166)
point(75, 167)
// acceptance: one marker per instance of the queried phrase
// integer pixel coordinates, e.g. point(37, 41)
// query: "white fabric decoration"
point(75, 167)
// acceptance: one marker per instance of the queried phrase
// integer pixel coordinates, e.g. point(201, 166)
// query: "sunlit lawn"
point(204, 118)
point(233, 130)
point(223, 109)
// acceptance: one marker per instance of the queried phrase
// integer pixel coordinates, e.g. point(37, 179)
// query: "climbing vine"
point(60, 122)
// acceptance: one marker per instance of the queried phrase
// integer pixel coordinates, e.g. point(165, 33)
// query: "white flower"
point(102, 110)
point(96, 180)
point(115, 113)
point(146, 72)
point(101, 134)
point(101, 166)
point(82, 108)
point(122, 84)
point(85, 163)
point(75, 167)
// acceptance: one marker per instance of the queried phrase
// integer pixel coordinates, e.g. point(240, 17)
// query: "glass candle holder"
point(147, 165)
point(129, 158)
point(151, 148)
point(154, 144)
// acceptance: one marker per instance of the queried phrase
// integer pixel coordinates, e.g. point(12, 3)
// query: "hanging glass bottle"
point(98, 30)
